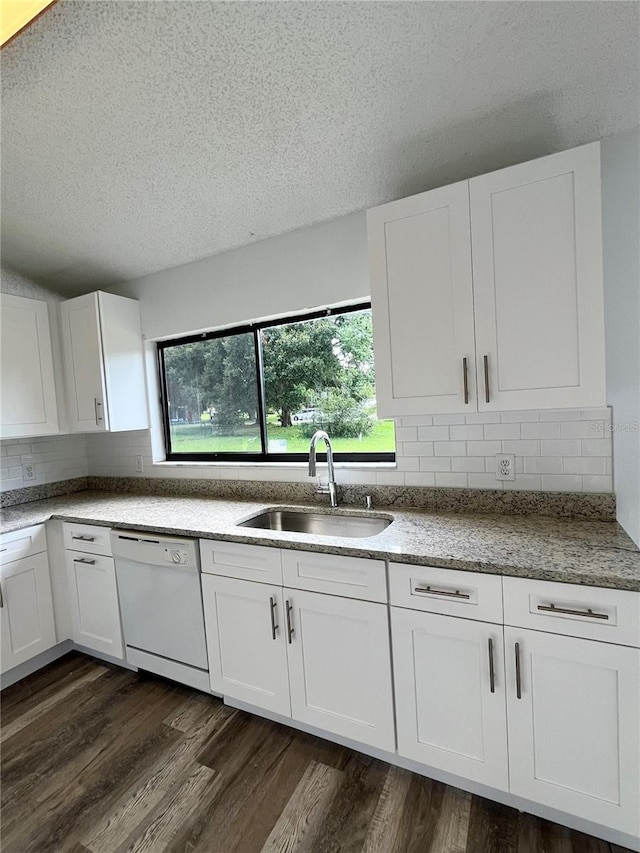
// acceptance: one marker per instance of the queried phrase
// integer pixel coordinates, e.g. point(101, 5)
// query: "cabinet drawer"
point(236, 560)
point(610, 615)
point(90, 538)
point(350, 577)
point(470, 595)
point(22, 543)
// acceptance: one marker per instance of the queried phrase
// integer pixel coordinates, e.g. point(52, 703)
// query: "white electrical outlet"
point(29, 471)
point(139, 464)
point(505, 466)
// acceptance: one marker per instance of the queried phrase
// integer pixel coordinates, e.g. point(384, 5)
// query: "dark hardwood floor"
point(101, 760)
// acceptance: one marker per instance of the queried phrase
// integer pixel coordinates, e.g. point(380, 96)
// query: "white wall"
point(56, 457)
point(621, 231)
point(325, 264)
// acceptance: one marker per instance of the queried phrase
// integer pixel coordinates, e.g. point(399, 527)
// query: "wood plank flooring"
point(96, 759)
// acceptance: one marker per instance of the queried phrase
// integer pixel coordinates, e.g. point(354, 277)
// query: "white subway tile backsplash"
point(448, 419)
point(502, 431)
point(466, 432)
point(417, 448)
point(520, 417)
point(584, 465)
point(561, 447)
point(423, 479)
point(467, 464)
point(452, 480)
point(417, 420)
point(582, 429)
point(527, 482)
point(433, 433)
point(435, 463)
point(543, 465)
point(596, 447)
point(483, 448)
point(562, 482)
point(548, 429)
point(484, 481)
point(557, 450)
point(482, 418)
point(521, 447)
point(560, 414)
point(595, 483)
point(450, 448)
point(55, 458)
point(406, 433)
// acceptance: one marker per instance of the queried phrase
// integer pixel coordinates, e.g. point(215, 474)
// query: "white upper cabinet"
point(537, 280)
point(422, 296)
point(27, 385)
point(104, 363)
point(503, 274)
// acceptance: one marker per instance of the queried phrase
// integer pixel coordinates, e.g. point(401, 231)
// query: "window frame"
point(263, 457)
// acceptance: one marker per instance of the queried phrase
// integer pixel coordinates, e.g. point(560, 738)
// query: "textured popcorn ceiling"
point(141, 135)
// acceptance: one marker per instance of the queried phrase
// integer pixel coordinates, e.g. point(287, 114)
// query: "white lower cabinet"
point(246, 642)
point(340, 667)
point(93, 602)
point(27, 625)
point(574, 726)
point(450, 695)
point(320, 659)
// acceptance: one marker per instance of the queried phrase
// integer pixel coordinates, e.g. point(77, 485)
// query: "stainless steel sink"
point(318, 524)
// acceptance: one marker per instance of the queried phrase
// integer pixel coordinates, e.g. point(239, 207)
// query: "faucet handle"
point(368, 502)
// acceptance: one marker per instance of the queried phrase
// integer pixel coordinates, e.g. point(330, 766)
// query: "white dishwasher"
point(161, 604)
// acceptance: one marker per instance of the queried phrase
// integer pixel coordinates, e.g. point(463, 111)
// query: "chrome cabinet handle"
point(274, 625)
point(465, 380)
point(492, 673)
point(1, 597)
point(290, 629)
point(518, 675)
point(84, 538)
point(551, 608)
point(84, 560)
point(430, 591)
point(486, 378)
point(97, 403)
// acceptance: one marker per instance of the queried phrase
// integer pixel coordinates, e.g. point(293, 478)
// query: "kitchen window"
point(258, 393)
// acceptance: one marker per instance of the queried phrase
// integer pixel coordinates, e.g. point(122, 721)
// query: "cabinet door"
point(27, 386)
point(450, 695)
point(244, 623)
point(340, 667)
point(422, 299)
point(26, 611)
point(82, 345)
point(93, 599)
point(574, 732)
point(537, 280)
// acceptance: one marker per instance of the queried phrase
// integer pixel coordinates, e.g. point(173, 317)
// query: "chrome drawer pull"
point(465, 380)
point(290, 628)
point(84, 538)
point(551, 608)
point(431, 591)
point(518, 674)
point(274, 625)
point(486, 379)
point(84, 560)
point(492, 674)
point(1, 596)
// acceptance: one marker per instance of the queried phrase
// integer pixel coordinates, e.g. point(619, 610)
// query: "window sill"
point(368, 466)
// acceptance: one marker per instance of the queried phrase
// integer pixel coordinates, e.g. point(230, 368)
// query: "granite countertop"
point(595, 553)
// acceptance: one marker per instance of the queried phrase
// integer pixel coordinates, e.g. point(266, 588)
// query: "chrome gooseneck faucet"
point(330, 489)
